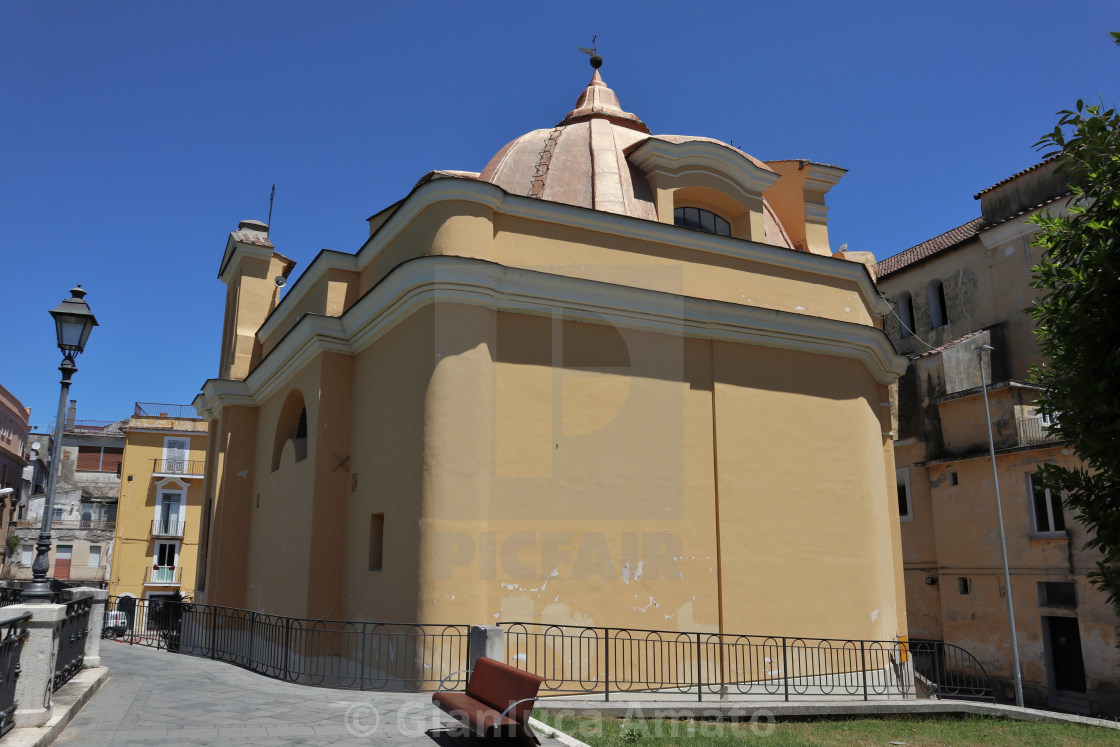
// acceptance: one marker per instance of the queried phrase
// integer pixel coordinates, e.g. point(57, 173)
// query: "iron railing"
point(1033, 431)
point(178, 466)
point(10, 595)
point(163, 575)
point(72, 640)
point(107, 526)
point(585, 660)
point(12, 634)
point(945, 671)
point(327, 653)
point(161, 410)
point(168, 528)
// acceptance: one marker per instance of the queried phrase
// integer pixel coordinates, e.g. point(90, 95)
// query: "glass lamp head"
point(73, 322)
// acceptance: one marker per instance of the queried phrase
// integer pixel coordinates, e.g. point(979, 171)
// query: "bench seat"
point(493, 688)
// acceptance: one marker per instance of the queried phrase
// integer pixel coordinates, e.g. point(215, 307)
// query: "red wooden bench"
point(497, 702)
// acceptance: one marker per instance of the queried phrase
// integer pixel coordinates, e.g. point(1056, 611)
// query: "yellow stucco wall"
point(133, 543)
point(540, 469)
point(551, 466)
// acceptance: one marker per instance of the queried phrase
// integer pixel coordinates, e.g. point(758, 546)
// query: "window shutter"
point(89, 458)
point(111, 462)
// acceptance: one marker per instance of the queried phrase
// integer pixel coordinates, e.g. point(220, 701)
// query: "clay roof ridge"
point(951, 343)
point(1017, 174)
point(940, 243)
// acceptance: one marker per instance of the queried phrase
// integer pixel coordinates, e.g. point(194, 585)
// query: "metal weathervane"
point(596, 60)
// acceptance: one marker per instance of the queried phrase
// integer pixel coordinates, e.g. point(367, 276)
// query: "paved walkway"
point(160, 698)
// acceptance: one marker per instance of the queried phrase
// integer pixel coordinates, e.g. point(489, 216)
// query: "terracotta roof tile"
point(936, 245)
point(950, 344)
point(253, 237)
point(1016, 175)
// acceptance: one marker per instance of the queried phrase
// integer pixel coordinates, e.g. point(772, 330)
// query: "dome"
point(583, 161)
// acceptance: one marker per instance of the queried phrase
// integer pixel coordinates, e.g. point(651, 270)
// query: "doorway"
point(62, 557)
point(1063, 641)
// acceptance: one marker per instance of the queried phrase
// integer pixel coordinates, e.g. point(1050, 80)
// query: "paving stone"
point(157, 698)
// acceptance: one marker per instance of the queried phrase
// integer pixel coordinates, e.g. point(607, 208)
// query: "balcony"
point(1033, 431)
point(168, 528)
point(163, 410)
point(163, 575)
point(104, 526)
point(178, 468)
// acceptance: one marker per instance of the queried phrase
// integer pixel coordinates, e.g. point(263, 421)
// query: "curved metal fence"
point(587, 660)
point(327, 653)
point(12, 635)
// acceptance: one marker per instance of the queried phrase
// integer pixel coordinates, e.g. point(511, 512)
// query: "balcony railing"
point(163, 575)
point(68, 524)
point(168, 528)
point(161, 410)
point(1034, 431)
point(178, 467)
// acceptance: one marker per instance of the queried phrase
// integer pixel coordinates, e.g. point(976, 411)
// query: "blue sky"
point(134, 136)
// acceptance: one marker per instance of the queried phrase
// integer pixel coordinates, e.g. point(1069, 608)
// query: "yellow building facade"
point(155, 547)
point(954, 293)
point(607, 380)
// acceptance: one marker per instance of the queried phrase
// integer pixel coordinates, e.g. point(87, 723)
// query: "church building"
point(613, 378)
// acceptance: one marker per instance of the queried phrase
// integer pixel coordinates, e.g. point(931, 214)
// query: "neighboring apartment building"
point(614, 378)
point(156, 544)
point(85, 503)
point(960, 290)
point(14, 418)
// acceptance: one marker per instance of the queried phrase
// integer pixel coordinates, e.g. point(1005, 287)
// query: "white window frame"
point(1035, 531)
point(186, 451)
point(100, 552)
point(170, 485)
point(902, 478)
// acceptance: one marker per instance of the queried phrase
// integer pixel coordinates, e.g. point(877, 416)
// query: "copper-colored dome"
point(583, 161)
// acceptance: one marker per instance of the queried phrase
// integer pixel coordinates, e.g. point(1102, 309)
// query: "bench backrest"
point(497, 685)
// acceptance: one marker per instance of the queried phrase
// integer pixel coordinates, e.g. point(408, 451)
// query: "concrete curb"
point(65, 705)
point(559, 736)
point(805, 709)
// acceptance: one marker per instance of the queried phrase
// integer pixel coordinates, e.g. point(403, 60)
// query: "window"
point(376, 541)
point(57, 514)
point(99, 458)
point(953, 478)
point(906, 314)
point(291, 426)
point(1056, 594)
point(938, 313)
point(701, 220)
point(964, 586)
point(905, 508)
point(27, 554)
point(176, 451)
point(1047, 513)
point(94, 556)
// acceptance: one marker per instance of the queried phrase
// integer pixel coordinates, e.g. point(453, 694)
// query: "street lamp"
point(73, 322)
point(1018, 676)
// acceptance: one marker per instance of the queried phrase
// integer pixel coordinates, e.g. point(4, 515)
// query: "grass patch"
point(915, 731)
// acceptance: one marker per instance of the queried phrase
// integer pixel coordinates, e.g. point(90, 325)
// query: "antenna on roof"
point(596, 60)
point(271, 197)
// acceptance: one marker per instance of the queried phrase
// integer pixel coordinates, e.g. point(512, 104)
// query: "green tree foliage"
point(1077, 319)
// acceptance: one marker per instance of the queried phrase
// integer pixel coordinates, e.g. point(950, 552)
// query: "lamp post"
point(1018, 676)
point(73, 322)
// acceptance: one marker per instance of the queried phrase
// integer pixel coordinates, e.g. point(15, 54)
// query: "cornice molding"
point(654, 156)
point(457, 280)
